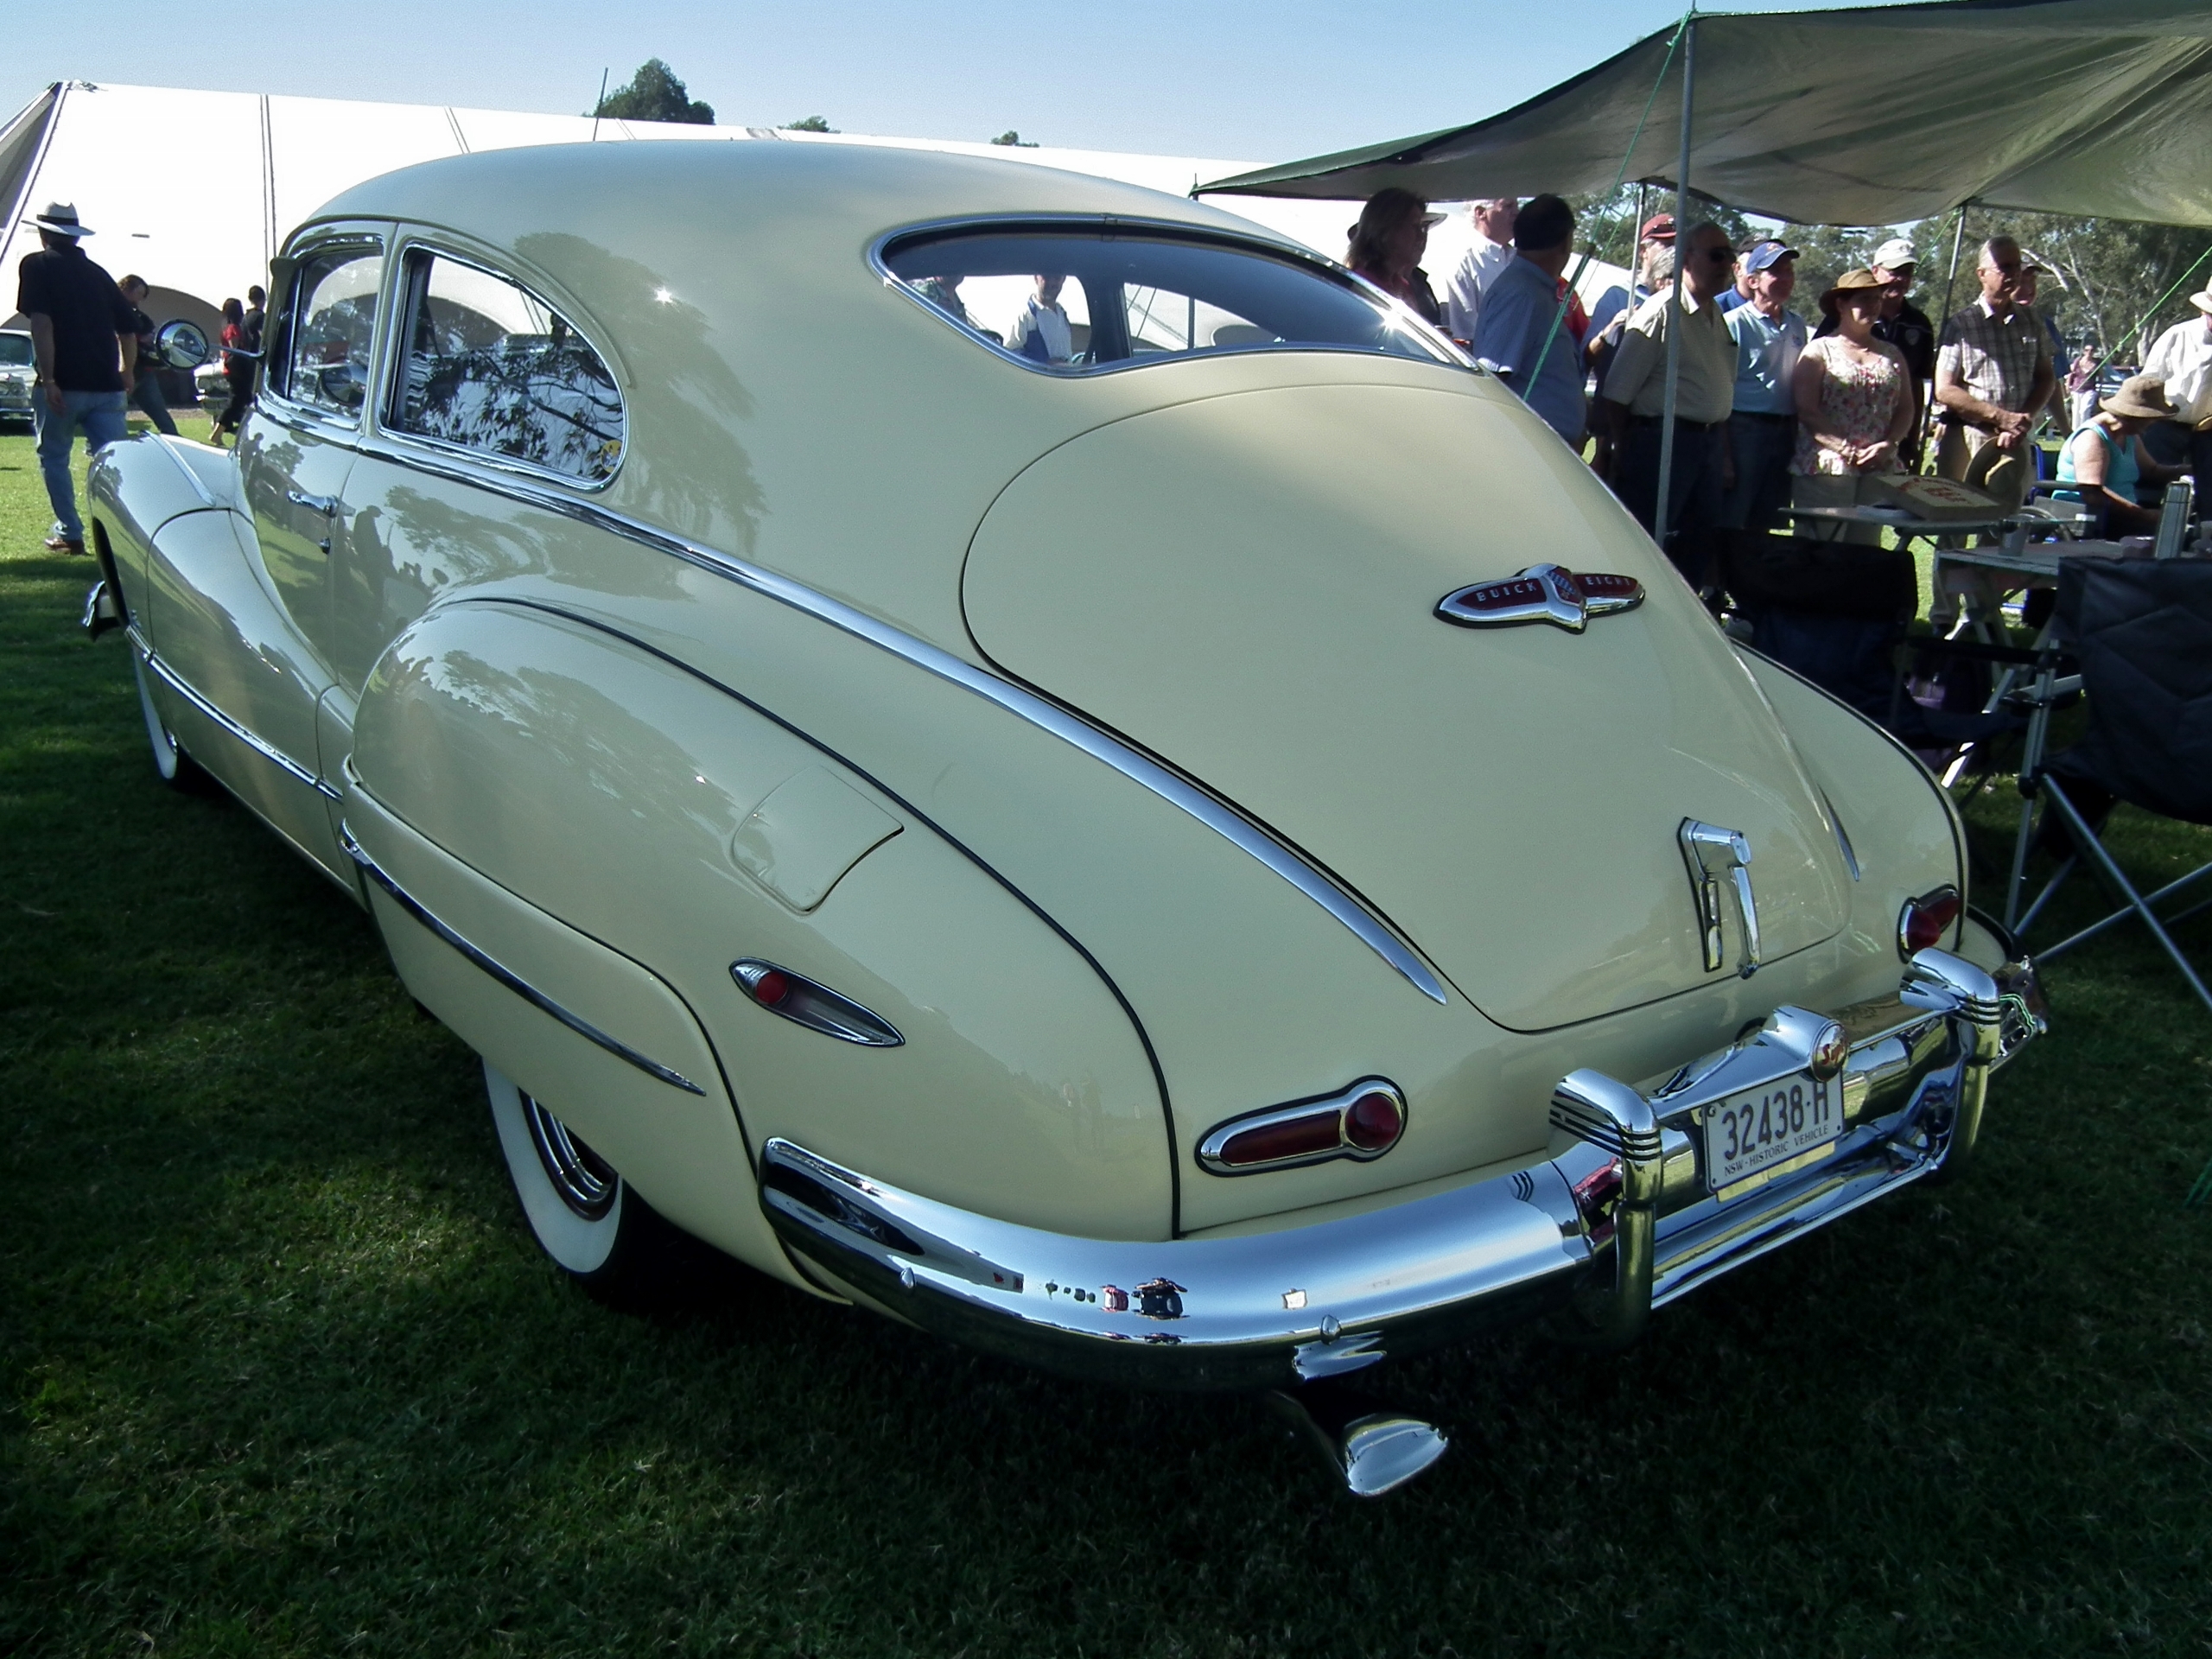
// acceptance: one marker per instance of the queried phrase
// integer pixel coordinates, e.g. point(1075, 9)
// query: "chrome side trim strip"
point(177, 684)
point(506, 976)
point(1141, 769)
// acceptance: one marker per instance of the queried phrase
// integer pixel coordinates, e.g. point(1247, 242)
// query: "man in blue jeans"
point(84, 335)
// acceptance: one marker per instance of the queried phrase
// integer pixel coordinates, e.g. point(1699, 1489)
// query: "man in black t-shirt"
point(85, 335)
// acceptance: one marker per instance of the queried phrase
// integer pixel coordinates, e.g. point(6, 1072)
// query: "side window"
point(1161, 321)
point(333, 323)
point(491, 367)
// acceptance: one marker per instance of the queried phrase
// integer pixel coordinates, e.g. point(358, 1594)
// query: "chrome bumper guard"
point(1617, 1222)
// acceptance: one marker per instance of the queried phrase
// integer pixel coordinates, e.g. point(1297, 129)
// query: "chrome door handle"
point(325, 504)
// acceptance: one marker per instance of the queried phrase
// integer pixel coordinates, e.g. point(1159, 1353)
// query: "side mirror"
point(180, 344)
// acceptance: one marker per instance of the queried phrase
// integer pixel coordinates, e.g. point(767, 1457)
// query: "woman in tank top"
point(1855, 404)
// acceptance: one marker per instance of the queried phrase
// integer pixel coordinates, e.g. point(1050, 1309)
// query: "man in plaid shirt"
point(1993, 375)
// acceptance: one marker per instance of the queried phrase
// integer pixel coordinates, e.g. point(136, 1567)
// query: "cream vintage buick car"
point(1017, 752)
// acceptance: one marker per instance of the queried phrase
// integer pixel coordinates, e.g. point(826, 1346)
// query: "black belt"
point(1761, 414)
point(1661, 420)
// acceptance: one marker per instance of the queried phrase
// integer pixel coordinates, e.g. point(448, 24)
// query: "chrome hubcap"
point(585, 1181)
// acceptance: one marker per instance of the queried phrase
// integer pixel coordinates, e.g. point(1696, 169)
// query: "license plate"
point(1756, 1129)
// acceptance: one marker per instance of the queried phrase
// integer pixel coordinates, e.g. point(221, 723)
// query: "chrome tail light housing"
point(1363, 1122)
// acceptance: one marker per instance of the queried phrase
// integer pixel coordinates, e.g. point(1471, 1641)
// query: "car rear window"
point(1067, 300)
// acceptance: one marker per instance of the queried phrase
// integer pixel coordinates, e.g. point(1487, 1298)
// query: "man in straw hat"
point(2182, 358)
point(1993, 375)
point(85, 335)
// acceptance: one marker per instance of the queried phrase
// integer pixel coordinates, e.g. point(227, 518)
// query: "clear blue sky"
point(1234, 78)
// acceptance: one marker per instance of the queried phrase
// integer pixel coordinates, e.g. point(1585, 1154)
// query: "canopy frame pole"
point(1942, 321)
point(1675, 314)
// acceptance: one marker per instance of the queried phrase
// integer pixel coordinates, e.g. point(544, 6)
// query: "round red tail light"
point(1374, 1122)
point(770, 988)
point(1925, 920)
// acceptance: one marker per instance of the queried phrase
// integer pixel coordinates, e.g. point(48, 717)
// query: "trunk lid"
point(1246, 586)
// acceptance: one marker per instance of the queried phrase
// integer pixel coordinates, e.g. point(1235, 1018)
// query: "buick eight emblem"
point(1542, 593)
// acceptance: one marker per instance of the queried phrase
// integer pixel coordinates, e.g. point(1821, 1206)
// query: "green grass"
point(280, 1372)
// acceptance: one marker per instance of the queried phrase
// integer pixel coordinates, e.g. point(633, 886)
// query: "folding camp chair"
point(2141, 631)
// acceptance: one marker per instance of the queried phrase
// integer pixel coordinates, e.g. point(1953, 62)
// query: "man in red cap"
point(1655, 267)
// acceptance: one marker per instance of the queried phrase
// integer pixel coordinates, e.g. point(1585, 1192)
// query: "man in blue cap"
point(1762, 425)
point(85, 335)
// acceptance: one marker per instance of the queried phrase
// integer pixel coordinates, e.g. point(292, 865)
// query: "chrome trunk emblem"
point(1542, 593)
point(1709, 852)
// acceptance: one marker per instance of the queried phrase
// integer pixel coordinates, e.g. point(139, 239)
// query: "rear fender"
point(1902, 830)
point(606, 787)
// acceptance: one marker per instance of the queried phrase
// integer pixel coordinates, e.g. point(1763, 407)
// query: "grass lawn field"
point(281, 1372)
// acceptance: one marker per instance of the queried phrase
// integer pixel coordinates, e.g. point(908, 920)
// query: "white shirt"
point(2182, 358)
point(1463, 290)
point(1048, 324)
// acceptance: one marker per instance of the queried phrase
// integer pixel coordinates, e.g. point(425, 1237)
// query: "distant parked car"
point(211, 384)
point(1208, 851)
point(18, 370)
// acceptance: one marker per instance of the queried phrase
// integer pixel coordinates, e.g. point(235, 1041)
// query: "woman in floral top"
point(1855, 404)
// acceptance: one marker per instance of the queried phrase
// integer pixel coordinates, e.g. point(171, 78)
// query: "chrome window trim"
point(314, 418)
point(1023, 704)
point(1446, 355)
point(506, 976)
point(392, 380)
point(184, 688)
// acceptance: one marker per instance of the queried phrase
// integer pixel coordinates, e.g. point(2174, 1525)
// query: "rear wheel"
point(580, 1210)
point(176, 768)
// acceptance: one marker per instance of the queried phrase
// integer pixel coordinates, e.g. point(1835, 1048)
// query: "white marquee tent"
point(195, 190)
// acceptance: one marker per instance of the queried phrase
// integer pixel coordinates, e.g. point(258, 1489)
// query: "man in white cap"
point(2182, 357)
point(85, 336)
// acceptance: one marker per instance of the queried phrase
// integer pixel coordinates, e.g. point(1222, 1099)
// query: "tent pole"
point(1675, 315)
point(1942, 321)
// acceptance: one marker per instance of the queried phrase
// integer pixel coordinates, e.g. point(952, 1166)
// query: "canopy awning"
point(1865, 116)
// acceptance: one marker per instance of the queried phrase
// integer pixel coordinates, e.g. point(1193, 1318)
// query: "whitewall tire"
point(176, 768)
point(572, 1198)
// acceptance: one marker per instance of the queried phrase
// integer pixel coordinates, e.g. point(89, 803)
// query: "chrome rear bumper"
point(1617, 1222)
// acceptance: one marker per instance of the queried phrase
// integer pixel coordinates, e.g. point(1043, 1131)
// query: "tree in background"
point(1826, 252)
point(1606, 225)
point(809, 123)
point(2107, 275)
point(654, 94)
point(1013, 140)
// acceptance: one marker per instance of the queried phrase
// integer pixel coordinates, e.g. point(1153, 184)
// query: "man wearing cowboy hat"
point(2182, 358)
point(85, 335)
